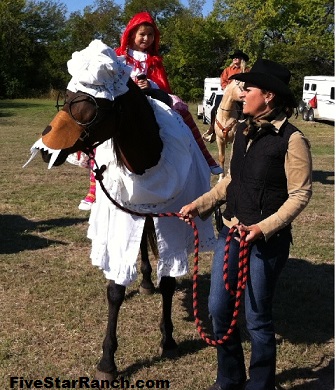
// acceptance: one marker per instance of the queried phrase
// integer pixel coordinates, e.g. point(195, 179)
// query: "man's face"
point(237, 61)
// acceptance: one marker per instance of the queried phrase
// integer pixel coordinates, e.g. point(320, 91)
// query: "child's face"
point(142, 38)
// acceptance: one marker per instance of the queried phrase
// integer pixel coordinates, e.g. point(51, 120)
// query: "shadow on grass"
point(203, 288)
point(186, 347)
point(303, 314)
point(304, 302)
point(324, 177)
point(15, 104)
point(6, 114)
point(316, 377)
point(6, 105)
point(16, 232)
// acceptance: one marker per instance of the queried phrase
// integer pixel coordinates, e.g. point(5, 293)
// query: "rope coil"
point(242, 264)
point(241, 284)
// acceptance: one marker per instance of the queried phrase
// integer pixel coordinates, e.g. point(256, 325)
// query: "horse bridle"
point(226, 129)
point(86, 126)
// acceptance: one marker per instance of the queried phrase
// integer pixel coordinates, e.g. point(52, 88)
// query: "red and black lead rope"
point(242, 263)
point(238, 292)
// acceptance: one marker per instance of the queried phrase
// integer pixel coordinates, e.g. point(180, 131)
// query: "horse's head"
point(99, 79)
point(83, 122)
point(102, 102)
point(234, 90)
point(227, 115)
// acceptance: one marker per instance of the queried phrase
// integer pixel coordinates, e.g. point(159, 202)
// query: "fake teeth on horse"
point(39, 145)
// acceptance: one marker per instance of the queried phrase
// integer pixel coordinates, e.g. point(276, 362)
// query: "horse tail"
point(151, 236)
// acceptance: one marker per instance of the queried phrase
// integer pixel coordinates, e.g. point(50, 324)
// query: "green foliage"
point(196, 49)
point(27, 30)
point(37, 39)
point(159, 9)
point(297, 33)
point(103, 21)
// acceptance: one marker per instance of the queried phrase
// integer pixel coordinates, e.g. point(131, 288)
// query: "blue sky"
point(78, 5)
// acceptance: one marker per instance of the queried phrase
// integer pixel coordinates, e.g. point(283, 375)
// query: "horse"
point(151, 163)
point(226, 119)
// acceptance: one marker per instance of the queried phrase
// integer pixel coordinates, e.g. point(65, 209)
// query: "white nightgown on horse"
point(181, 175)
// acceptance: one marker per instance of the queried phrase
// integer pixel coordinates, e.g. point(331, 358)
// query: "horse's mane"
point(136, 126)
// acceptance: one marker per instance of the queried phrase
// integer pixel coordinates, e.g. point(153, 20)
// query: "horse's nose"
point(46, 130)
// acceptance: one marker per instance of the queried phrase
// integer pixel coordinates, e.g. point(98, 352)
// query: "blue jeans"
point(267, 260)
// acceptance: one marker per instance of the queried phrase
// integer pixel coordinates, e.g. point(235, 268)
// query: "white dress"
point(141, 58)
point(181, 175)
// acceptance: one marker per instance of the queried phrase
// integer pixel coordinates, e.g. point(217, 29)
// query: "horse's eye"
point(83, 109)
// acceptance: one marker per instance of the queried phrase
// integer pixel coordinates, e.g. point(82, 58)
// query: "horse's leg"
point(146, 285)
point(106, 368)
point(168, 346)
point(221, 144)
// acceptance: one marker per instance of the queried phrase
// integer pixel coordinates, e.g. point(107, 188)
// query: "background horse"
point(227, 116)
point(151, 162)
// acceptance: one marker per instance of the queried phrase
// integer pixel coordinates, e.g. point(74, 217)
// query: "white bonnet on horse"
point(98, 71)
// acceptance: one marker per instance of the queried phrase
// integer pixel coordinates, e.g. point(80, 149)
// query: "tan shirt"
point(298, 170)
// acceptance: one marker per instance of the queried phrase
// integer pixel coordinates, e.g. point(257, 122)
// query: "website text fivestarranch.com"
point(83, 382)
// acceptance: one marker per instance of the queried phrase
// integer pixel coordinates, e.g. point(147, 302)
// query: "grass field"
point(53, 304)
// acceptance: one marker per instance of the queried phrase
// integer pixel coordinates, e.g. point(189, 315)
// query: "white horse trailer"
point(211, 84)
point(318, 98)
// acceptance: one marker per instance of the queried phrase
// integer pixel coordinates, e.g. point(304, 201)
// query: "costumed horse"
point(226, 119)
point(151, 164)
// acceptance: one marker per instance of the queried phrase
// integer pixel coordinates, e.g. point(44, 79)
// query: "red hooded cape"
point(156, 71)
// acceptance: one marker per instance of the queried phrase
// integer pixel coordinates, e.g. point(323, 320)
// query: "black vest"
point(258, 184)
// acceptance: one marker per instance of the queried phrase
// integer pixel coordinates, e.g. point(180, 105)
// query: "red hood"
point(140, 18)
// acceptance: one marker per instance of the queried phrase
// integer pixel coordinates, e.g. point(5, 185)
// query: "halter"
point(97, 118)
point(225, 129)
point(229, 127)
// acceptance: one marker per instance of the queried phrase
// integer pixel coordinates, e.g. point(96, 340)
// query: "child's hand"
point(142, 84)
point(142, 81)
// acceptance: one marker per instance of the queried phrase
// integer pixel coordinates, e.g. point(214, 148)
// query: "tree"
point(37, 39)
point(197, 48)
point(298, 33)
point(161, 10)
point(43, 24)
point(12, 45)
point(196, 7)
point(101, 21)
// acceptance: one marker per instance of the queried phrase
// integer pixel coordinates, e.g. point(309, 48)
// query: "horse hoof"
point(168, 353)
point(106, 376)
point(147, 291)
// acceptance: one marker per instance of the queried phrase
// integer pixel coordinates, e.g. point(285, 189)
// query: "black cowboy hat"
point(239, 54)
point(269, 75)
